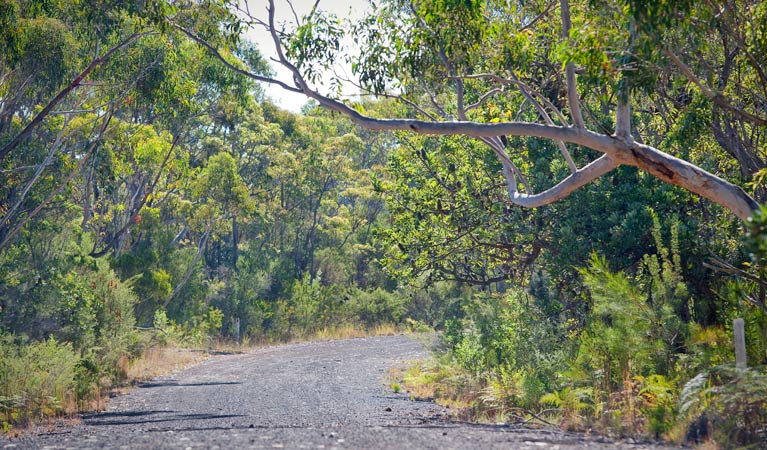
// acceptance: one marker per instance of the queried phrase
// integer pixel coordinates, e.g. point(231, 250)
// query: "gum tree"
point(582, 75)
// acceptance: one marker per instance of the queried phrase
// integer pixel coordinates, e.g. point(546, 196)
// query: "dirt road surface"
point(315, 395)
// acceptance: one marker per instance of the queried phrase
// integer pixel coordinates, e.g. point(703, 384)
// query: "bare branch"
point(715, 97)
point(572, 87)
point(434, 102)
point(546, 118)
point(314, 8)
point(293, 10)
point(510, 171)
point(484, 98)
point(192, 264)
point(518, 115)
point(80, 164)
point(721, 265)
point(442, 54)
point(623, 117)
point(522, 86)
point(587, 174)
point(40, 168)
point(689, 176)
point(540, 16)
point(406, 101)
point(214, 51)
point(135, 208)
point(401, 98)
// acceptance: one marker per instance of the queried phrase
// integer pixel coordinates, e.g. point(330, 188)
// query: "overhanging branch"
point(583, 176)
point(619, 149)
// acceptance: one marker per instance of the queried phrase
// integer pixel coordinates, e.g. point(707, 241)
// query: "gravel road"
point(315, 395)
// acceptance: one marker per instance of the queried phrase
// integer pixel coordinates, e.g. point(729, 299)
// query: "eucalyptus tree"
point(586, 70)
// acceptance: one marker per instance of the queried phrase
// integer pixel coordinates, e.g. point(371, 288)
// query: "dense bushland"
point(160, 199)
point(150, 195)
point(637, 358)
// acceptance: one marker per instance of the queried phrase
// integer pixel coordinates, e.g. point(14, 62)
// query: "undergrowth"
point(628, 364)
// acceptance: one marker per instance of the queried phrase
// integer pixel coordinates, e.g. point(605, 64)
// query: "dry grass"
point(350, 332)
point(159, 361)
point(427, 380)
point(707, 445)
point(155, 362)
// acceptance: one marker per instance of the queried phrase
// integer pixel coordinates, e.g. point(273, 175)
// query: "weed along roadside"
point(49, 382)
point(492, 367)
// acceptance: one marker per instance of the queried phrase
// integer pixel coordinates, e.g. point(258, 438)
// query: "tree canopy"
point(604, 81)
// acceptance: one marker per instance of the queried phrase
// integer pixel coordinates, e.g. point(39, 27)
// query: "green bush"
point(510, 332)
point(36, 379)
point(197, 332)
point(375, 307)
point(308, 303)
point(113, 303)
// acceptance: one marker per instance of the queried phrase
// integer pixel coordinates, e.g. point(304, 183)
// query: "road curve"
point(314, 395)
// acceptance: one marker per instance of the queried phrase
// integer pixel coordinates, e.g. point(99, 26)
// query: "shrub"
point(36, 379)
point(198, 331)
point(113, 303)
point(375, 307)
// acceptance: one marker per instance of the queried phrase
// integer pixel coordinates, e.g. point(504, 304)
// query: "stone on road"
point(314, 395)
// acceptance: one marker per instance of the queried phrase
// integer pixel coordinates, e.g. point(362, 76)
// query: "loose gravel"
point(314, 395)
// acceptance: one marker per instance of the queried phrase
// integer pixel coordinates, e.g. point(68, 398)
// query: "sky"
point(343, 8)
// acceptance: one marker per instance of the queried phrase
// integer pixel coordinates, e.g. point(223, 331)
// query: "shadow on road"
point(146, 417)
point(175, 384)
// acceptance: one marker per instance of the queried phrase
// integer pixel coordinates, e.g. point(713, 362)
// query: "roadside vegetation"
point(625, 365)
point(152, 198)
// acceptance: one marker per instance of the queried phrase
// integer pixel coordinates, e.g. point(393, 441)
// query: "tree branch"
point(40, 168)
point(482, 99)
point(691, 177)
point(80, 165)
point(572, 87)
point(546, 118)
point(715, 97)
point(522, 86)
point(134, 211)
point(214, 51)
point(623, 116)
point(192, 265)
point(585, 175)
point(617, 150)
point(540, 16)
point(64, 92)
point(509, 169)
